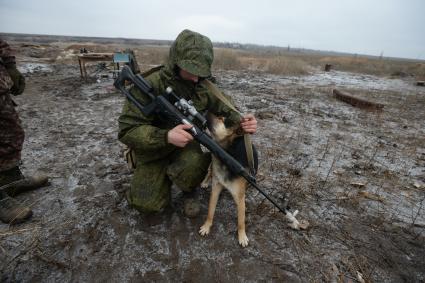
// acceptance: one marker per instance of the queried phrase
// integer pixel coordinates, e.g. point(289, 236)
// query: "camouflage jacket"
point(6, 60)
point(148, 135)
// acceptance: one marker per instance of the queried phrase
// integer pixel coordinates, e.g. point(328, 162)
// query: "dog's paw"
point(205, 184)
point(243, 239)
point(205, 229)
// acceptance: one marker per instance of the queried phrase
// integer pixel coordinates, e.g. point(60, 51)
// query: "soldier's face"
point(188, 76)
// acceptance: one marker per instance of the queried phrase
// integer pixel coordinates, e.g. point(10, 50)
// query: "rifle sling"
point(247, 138)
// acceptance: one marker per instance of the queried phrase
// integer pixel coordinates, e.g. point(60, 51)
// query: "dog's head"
point(222, 129)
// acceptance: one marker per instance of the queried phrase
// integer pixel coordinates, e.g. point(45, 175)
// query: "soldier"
point(12, 182)
point(166, 154)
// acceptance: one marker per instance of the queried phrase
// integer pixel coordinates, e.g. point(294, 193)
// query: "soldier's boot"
point(192, 205)
point(14, 182)
point(11, 211)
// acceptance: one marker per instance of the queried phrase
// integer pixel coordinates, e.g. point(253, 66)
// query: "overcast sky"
point(394, 27)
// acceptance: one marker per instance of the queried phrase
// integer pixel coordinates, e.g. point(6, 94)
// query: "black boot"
point(11, 211)
point(14, 183)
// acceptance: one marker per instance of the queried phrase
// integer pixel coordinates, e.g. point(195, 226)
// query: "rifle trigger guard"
point(193, 130)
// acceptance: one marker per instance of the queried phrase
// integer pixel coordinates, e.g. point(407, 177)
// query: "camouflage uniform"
point(11, 140)
point(11, 133)
point(158, 163)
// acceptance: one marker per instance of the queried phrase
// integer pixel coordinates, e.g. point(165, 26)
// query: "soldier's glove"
point(18, 80)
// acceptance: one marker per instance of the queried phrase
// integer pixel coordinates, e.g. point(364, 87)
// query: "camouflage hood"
point(192, 52)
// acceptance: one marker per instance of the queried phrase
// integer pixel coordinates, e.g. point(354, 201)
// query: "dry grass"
point(298, 63)
point(275, 62)
point(375, 66)
point(287, 66)
point(148, 56)
point(228, 59)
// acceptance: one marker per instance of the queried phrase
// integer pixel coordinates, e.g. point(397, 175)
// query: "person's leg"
point(11, 134)
point(11, 141)
point(188, 167)
point(150, 189)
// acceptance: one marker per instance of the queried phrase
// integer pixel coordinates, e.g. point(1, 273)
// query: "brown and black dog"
point(230, 138)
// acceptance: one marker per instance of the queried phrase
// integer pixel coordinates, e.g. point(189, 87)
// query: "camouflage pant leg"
point(189, 167)
point(151, 184)
point(11, 134)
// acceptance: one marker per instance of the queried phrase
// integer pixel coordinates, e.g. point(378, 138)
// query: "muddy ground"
point(356, 175)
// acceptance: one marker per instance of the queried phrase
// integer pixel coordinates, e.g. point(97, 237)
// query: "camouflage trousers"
point(150, 189)
point(11, 133)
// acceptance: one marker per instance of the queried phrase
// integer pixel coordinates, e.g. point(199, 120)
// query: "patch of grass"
point(284, 65)
point(228, 59)
point(273, 61)
point(147, 56)
point(375, 66)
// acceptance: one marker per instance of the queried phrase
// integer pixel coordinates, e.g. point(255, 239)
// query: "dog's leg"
point(207, 178)
point(238, 193)
point(215, 193)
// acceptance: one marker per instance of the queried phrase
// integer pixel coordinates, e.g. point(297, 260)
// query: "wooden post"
point(328, 67)
point(81, 69)
point(84, 70)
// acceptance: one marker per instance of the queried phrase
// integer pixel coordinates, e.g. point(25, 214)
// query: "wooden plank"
point(356, 101)
point(88, 56)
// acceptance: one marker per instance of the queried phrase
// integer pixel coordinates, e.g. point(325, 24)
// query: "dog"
point(230, 138)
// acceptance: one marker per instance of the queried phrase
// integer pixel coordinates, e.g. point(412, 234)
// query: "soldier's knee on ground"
point(145, 205)
point(150, 188)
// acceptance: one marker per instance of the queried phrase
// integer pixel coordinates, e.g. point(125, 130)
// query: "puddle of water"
point(29, 68)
